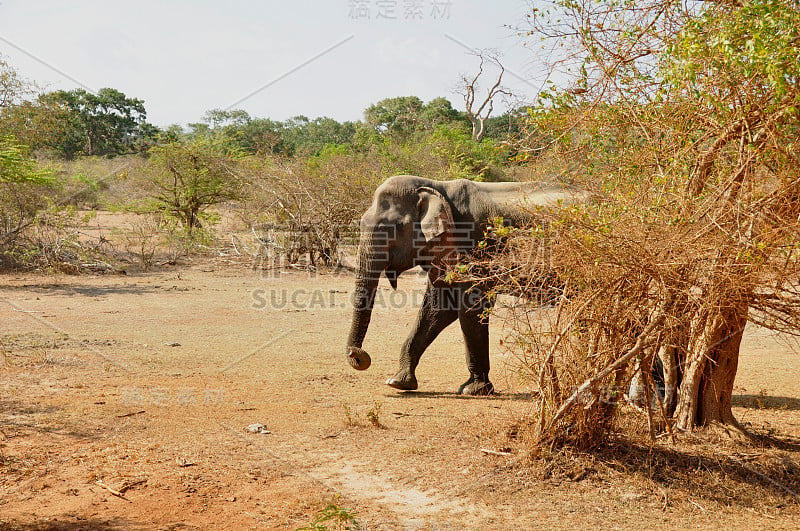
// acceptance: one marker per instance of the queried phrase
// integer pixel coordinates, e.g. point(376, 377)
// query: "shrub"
point(184, 179)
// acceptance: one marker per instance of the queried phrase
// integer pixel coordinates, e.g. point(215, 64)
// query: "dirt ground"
point(145, 383)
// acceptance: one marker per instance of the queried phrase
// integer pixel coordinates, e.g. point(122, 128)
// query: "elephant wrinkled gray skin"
point(419, 222)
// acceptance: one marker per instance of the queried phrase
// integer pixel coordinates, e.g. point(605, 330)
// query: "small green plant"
point(332, 517)
point(350, 419)
point(374, 415)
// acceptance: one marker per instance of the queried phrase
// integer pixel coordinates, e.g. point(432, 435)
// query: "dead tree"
point(479, 116)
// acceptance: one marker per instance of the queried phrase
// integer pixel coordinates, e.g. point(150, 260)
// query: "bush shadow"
point(752, 476)
point(766, 402)
point(89, 291)
point(96, 524)
point(497, 396)
point(16, 415)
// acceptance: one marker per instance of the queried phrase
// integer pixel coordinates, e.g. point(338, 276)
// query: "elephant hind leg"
point(475, 327)
point(477, 385)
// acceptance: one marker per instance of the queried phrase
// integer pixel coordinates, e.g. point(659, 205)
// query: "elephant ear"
point(436, 223)
point(435, 215)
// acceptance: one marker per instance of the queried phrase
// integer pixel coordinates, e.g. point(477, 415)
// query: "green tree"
point(260, 135)
point(241, 131)
point(24, 187)
point(307, 137)
point(507, 126)
point(437, 112)
point(78, 122)
point(186, 178)
point(466, 158)
point(173, 133)
point(397, 117)
point(296, 136)
point(221, 117)
point(45, 125)
point(401, 118)
point(110, 120)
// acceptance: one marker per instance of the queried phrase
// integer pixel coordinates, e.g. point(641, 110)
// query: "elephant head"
point(405, 226)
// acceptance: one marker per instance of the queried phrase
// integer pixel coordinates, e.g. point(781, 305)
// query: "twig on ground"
point(132, 483)
point(131, 414)
point(116, 493)
point(495, 452)
point(697, 505)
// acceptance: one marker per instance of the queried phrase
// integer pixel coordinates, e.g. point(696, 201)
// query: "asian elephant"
point(414, 221)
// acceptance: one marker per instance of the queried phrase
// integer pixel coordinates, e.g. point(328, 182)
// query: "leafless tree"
point(478, 116)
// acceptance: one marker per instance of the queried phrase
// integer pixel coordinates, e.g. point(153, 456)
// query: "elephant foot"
point(403, 380)
point(477, 386)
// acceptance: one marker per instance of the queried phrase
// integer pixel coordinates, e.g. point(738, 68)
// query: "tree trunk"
point(712, 361)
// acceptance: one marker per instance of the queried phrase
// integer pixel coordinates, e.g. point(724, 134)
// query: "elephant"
point(413, 221)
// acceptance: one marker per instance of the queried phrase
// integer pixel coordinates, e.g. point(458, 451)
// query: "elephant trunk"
point(367, 276)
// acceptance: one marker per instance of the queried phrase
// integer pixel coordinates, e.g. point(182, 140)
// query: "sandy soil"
point(147, 382)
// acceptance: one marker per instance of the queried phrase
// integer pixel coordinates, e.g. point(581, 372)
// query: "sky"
point(273, 58)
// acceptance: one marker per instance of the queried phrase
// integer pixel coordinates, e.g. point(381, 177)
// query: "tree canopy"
point(78, 122)
point(403, 116)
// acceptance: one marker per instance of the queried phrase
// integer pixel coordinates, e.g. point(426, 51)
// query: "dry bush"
point(93, 183)
point(41, 222)
point(689, 142)
point(155, 239)
point(635, 281)
point(52, 242)
point(36, 233)
point(309, 207)
point(19, 205)
point(143, 238)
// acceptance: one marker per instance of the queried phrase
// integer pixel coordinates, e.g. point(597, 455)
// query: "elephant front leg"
point(475, 327)
point(433, 317)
